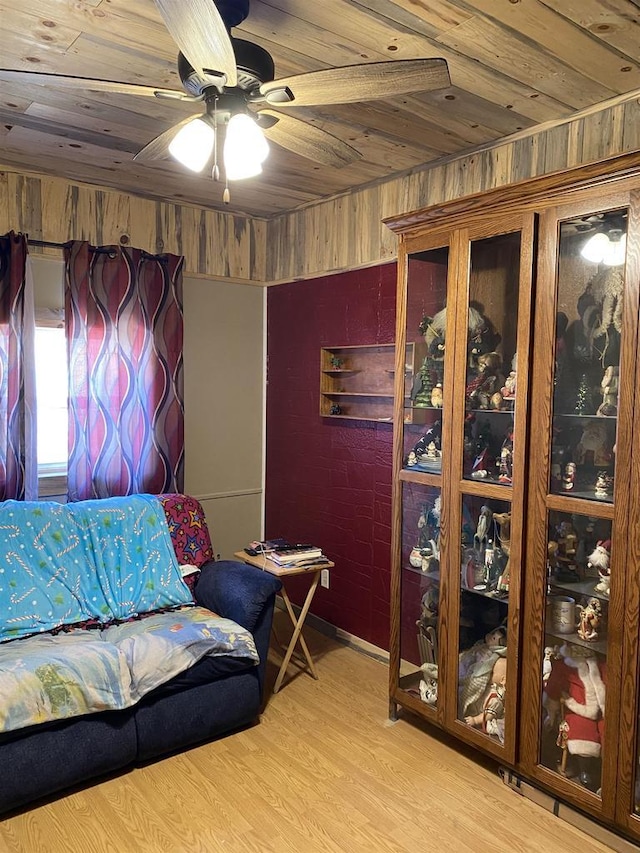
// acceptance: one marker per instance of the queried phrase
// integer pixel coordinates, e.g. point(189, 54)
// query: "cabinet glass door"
point(577, 556)
point(419, 457)
point(573, 681)
point(491, 358)
point(489, 424)
point(426, 332)
point(586, 376)
point(420, 592)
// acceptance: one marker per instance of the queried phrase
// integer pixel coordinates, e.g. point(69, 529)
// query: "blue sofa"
point(215, 696)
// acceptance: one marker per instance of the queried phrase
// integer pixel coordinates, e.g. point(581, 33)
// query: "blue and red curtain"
point(18, 464)
point(124, 322)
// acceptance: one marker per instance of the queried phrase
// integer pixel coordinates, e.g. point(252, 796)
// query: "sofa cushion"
point(98, 559)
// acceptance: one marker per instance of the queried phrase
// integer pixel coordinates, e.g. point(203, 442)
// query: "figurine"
point(590, 620)
point(421, 388)
point(491, 717)
point(476, 672)
point(503, 520)
point(600, 558)
point(550, 654)
point(505, 463)
point(483, 529)
point(508, 390)
point(437, 396)
point(335, 410)
point(575, 694)
point(427, 451)
point(593, 447)
point(604, 485)
point(487, 381)
point(569, 476)
point(609, 387)
point(482, 458)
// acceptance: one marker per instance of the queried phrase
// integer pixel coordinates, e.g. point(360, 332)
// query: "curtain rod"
point(49, 244)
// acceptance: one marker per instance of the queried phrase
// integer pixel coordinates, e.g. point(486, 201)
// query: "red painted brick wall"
point(329, 481)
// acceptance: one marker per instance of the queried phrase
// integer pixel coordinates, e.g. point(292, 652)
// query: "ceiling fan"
point(234, 79)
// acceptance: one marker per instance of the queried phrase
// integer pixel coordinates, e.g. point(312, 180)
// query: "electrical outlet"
point(324, 578)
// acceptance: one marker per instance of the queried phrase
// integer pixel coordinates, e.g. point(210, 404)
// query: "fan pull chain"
point(226, 195)
point(216, 169)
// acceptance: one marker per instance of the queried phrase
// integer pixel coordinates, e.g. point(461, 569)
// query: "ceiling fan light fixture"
point(192, 145)
point(616, 250)
point(595, 247)
point(245, 148)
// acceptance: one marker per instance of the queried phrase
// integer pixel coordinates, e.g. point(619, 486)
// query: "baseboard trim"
point(564, 812)
point(329, 630)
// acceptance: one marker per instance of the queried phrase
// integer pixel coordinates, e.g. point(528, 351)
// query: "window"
point(51, 391)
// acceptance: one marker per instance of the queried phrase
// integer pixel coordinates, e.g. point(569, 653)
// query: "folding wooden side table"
point(283, 572)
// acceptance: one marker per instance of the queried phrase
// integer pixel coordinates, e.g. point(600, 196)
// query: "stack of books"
point(287, 555)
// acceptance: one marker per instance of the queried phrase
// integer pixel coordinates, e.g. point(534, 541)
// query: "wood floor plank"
point(324, 772)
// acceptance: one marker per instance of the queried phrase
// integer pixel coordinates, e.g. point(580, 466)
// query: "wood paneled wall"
point(343, 233)
point(215, 245)
point(348, 232)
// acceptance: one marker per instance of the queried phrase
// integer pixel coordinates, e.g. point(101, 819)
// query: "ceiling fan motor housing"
point(232, 12)
point(254, 66)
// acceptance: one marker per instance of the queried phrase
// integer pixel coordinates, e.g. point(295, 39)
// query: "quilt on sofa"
point(109, 563)
point(47, 677)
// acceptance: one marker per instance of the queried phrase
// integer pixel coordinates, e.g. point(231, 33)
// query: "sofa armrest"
point(235, 590)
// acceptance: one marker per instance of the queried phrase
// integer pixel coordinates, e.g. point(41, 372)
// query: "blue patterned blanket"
point(68, 563)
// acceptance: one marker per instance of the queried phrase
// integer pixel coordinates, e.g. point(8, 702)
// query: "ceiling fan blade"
point(158, 148)
point(200, 33)
point(350, 83)
point(65, 81)
point(309, 141)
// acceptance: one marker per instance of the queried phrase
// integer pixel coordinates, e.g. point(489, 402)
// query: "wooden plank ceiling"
point(514, 64)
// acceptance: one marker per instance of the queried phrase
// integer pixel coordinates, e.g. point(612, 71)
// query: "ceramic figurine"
point(436, 396)
point(569, 476)
point(590, 620)
point(604, 485)
point(609, 388)
point(422, 385)
point(487, 381)
point(574, 695)
point(335, 410)
point(594, 447)
point(599, 559)
point(505, 463)
point(508, 390)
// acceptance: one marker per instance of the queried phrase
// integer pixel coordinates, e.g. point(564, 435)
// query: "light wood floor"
point(324, 772)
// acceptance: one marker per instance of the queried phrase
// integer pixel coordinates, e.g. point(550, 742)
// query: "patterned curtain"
point(18, 461)
point(123, 315)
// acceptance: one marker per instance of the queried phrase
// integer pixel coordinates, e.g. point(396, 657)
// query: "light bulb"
point(616, 251)
point(192, 145)
point(595, 247)
point(245, 148)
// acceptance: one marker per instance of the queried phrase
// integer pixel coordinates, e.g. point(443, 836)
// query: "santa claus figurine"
point(599, 559)
point(574, 699)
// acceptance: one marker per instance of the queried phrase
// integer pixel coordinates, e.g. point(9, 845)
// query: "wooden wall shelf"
point(357, 382)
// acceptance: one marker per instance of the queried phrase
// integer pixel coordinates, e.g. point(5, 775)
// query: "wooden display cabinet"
point(516, 491)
